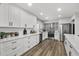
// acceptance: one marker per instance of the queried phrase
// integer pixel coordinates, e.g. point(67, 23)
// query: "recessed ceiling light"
point(59, 16)
point(29, 4)
point(46, 17)
point(59, 9)
point(41, 13)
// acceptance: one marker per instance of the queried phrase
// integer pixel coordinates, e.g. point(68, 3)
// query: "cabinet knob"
point(28, 37)
point(10, 23)
point(28, 46)
point(70, 46)
point(13, 42)
point(15, 55)
point(28, 41)
point(14, 48)
point(65, 42)
point(69, 53)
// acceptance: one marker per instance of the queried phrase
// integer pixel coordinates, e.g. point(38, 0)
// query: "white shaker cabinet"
point(23, 19)
point(18, 46)
point(57, 35)
point(45, 35)
point(31, 21)
point(8, 47)
point(14, 16)
point(37, 39)
point(3, 15)
point(71, 49)
point(27, 19)
point(9, 16)
point(33, 40)
point(17, 17)
point(67, 47)
point(23, 45)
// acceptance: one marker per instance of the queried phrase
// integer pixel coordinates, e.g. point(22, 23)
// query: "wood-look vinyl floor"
point(48, 47)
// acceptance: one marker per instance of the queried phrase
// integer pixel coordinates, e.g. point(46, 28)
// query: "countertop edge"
point(17, 37)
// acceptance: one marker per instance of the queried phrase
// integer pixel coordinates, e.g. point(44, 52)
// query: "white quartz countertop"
point(17, 37)
point(74, 41)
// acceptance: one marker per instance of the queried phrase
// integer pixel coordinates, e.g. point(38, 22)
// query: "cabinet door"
point(31, 41)
point(37, 38)
point(8, 47)
point(23, 45)
point(31, 21)
point(45, 35)
point(2, 49)
point(14, 16)
point(17, 17)
point(74, 52)
point(3, 15)
point(27, 19)
point(67, 47)
point(11, 17)
point(23, 18)
point(26, 43)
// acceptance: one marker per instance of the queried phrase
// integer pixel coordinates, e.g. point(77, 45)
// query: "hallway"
point(47, 48)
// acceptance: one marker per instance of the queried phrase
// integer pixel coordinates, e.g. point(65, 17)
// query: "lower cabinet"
point(74, 52)
point(45, 35)
point(8, 47)
point(57, 36)
point(23, 45)
point(70, 50)
point(67, 48)
point(18, 46)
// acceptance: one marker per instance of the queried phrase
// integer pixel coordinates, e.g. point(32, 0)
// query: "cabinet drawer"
point(9, 44)
point(8, 50)
point(8, 47)
point(12, 54)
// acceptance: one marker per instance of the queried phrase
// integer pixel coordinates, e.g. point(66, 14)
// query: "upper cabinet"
point(3, 15)
point(9, 16)
point(27, 19)
point(13, 16)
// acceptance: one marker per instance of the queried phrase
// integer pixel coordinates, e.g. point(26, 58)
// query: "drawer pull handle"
point(28, 37)
point(14, 48)
point(70, 46)
point(65, 42)
point(69, 53)
point(15, 55)
point(28, 41)
point(28, 46)
point(13, 42)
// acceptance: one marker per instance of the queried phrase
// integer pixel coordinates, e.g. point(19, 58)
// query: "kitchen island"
point(71, 44)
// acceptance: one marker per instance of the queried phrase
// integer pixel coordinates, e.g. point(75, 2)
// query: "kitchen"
point(36, 29)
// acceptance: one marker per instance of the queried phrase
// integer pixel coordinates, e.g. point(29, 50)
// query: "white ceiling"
point(50, 10)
